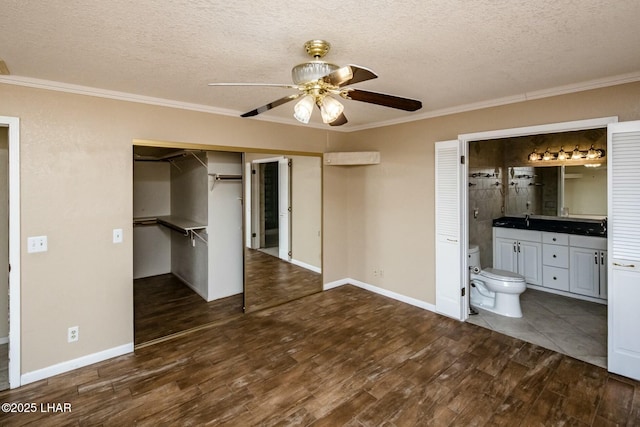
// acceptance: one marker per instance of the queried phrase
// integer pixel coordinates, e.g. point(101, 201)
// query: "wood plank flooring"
point(164, 306)
point(269, 281)
point(341, 357)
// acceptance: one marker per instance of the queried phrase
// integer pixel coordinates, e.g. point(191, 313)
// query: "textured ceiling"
point(447, 53)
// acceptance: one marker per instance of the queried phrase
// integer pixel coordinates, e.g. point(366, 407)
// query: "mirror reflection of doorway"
point(285, 192)
point(269, 215)
point(270, 212)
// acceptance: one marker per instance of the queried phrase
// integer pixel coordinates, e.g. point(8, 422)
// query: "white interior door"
point(623, 176)
point(284, 208)
point(449, 283)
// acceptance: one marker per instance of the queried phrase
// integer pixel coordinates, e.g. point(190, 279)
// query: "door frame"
point(253, 205)
point(465, 139)
point(13, 124)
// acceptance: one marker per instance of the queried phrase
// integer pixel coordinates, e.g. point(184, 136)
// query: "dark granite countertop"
point(560, 225)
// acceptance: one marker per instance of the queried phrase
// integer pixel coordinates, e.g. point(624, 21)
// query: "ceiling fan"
point(318, 82)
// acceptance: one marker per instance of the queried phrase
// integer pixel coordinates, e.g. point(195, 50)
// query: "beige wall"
point(306, 201)
point(76, 171)
point(391, 214)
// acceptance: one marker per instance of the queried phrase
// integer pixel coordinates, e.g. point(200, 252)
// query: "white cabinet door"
point(530, 261)
point(505, 256)
point(584, 276)
point(518, 256)
point(623, 175)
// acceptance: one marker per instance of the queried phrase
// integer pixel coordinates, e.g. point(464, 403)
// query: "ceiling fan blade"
point(269, 106)
point(348, 75)
point(342, 119)
point(392, 101)
point(286, 86)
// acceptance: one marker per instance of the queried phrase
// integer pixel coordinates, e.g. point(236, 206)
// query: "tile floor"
point(570, 326)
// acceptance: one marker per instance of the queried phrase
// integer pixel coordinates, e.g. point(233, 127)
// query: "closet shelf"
point(185, 226)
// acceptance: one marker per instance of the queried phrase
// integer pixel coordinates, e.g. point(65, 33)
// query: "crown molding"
point(129, 97)
point(527, 96)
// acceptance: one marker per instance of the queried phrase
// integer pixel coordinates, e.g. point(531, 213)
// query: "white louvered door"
point(448, 249)
point(623, 234)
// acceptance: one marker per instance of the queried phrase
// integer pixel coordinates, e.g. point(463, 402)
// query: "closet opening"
point(187, 240)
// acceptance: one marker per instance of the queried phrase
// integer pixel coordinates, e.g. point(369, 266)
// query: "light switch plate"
point(117, 235)
point(36, 244)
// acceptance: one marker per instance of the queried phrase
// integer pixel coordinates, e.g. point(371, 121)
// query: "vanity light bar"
point(577, 154)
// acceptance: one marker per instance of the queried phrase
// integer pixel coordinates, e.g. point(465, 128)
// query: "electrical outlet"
point(381, 273)
point(72, 334)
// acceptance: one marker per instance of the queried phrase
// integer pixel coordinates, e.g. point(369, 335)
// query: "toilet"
point(494, 290)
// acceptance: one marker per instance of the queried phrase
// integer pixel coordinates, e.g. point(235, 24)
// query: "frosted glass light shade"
point(576, 155)
point(303, 109)
point(562, 155)
point(310, 71)
point(330, 109)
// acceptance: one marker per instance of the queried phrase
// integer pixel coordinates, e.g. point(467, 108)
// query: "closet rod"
point(220, 177)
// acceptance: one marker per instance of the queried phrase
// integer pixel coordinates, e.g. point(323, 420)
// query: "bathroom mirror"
point(514, 170)
point(566, 191)
point(282, 228)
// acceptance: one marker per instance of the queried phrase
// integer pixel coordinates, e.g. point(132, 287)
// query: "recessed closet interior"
point(187, 209)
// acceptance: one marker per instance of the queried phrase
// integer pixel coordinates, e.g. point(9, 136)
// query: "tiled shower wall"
point(486, 198)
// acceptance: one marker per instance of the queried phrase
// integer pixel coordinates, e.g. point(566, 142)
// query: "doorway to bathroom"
point(499, 180)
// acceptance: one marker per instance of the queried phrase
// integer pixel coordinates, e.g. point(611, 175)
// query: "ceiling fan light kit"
point(317, 80)
point(303, 109)
point(330, 109)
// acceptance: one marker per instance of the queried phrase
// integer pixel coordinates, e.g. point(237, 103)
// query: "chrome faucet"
point(603, 225)
point(526, 220)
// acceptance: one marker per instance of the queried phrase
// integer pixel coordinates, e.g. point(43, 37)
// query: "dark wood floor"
point(340, 357)
point(269, 281)
point(164, 306)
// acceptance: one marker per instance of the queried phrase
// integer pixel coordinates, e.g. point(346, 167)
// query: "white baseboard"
point(305, 265)
point(191, 286)
point(70, 365)
point(335, 284)
point(387, 293)
point(4, 340)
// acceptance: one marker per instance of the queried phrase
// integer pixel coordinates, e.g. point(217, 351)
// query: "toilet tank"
point(474, 256)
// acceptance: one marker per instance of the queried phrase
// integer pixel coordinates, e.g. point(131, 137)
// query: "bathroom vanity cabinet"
point(568, 264)
point(519, 251)
point(588, 257)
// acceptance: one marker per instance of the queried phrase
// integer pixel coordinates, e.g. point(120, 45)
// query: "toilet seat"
point(501, 275)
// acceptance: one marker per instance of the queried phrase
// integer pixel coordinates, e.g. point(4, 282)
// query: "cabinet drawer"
point(555, 278)
point(556, 256)
point(517, 234)
point(555, 238)
point(589, 242)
